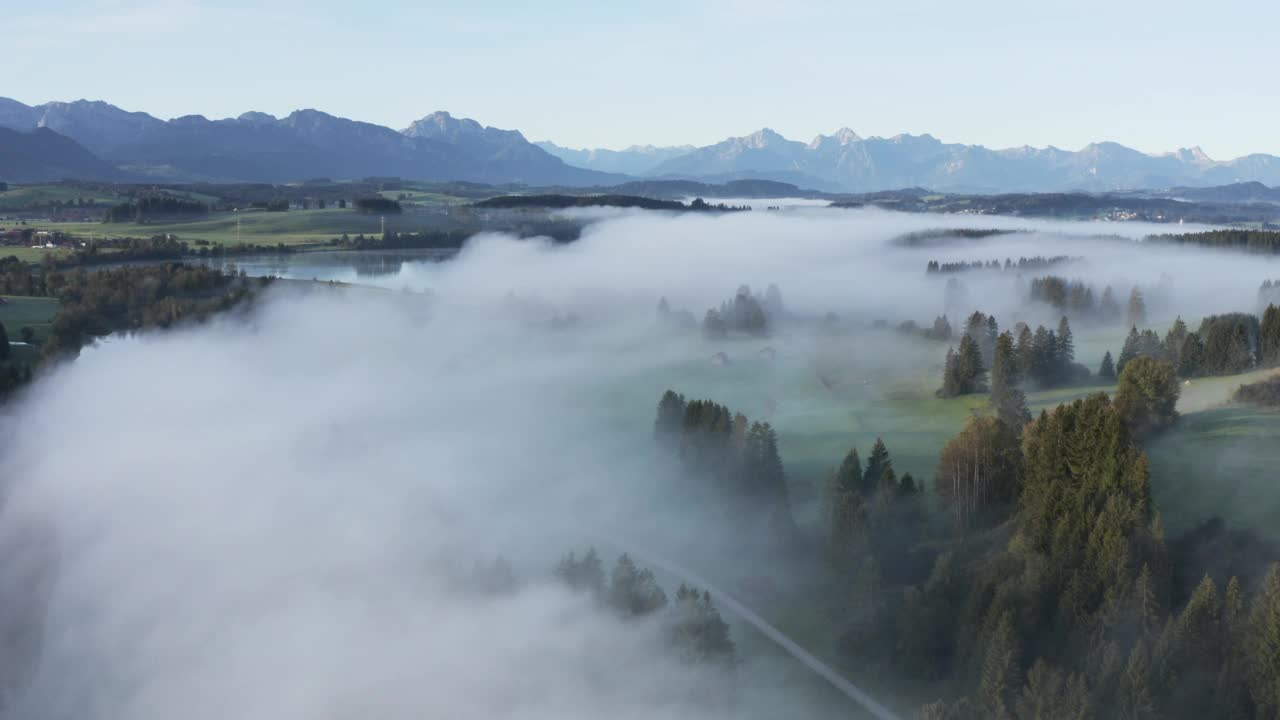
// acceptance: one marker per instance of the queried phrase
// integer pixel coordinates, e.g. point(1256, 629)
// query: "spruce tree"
point(970, 369)
point(1004, 366)
point(888, 486)
point(1107, 370)
point(878, 462)
point(1135, 701)
point(1025, 351)
point(1137, 307)
point(1173, 341)
point(1191, 357)
point(1066, 345)
point(1264, 650)
point(1130, 349)
point(848, 526)
point(1269, 337)
point(849, 476)
point(1043, 357)
point(1011, 409)
point(1001, 679)
point(950, 376)
point(1108, 308)
point(666, 427)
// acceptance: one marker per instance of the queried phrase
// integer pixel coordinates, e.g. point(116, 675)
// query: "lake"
point(349, 266)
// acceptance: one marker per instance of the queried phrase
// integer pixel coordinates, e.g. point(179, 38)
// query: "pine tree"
point(1011, 409)
point(634, 592)
point(1000, 672)
point(1004, 366)
point(1107, 370)
point(888, 486)
point(1136, 702)
point(1137, 308)
point(848, 526)
point(1066, 347)
point(970, 369)
point(1146, 608)
point(666, 428)
point(1174, 340)
point(1025, 352)
point(1130, 349)
point(1108, 308)
point(1191, 357)
point(1269, 337)
point(1264, 646)
point(878, 463)
point(849, 476)
point(1147, 395)
point(1043, 357)
point(950, 376)
point(699, 634)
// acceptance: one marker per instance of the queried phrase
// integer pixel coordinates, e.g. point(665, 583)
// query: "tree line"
point(1079, 300)
point(97, 303)
point(1043, 358)
point(150, 207)
point(1023, 263)
point(1225, 344)
point(732, 456)
point(1261, 241)
point(392, 240)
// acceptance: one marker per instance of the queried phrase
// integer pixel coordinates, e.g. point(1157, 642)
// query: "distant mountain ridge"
point(634, 160)
point(848, 162)
point(257, 147)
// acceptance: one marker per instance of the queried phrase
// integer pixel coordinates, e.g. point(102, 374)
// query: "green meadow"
point(296, 227)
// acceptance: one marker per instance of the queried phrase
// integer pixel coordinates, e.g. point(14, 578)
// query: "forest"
point(96, 303)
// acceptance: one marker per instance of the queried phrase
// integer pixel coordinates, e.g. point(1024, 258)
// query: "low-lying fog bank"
point(276, 519)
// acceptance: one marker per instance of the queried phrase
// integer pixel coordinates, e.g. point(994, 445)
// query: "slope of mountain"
point(257, 147)
point(763, 150)
point(635, 160)
point(848, 162)
point(1246, 192)
point(43, 155)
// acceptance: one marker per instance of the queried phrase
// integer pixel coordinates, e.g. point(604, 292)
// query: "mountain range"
point(635, 160)
point(844, 161)
point(256, 147)
point(95, 140)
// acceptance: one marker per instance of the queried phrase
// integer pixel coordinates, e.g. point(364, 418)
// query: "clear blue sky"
point(1152, 75)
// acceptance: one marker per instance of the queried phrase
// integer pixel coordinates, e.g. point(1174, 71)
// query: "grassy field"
point(1220, 462)
point(296, 227)
point(33, 312)
point(30, 254)
point(27, 195)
